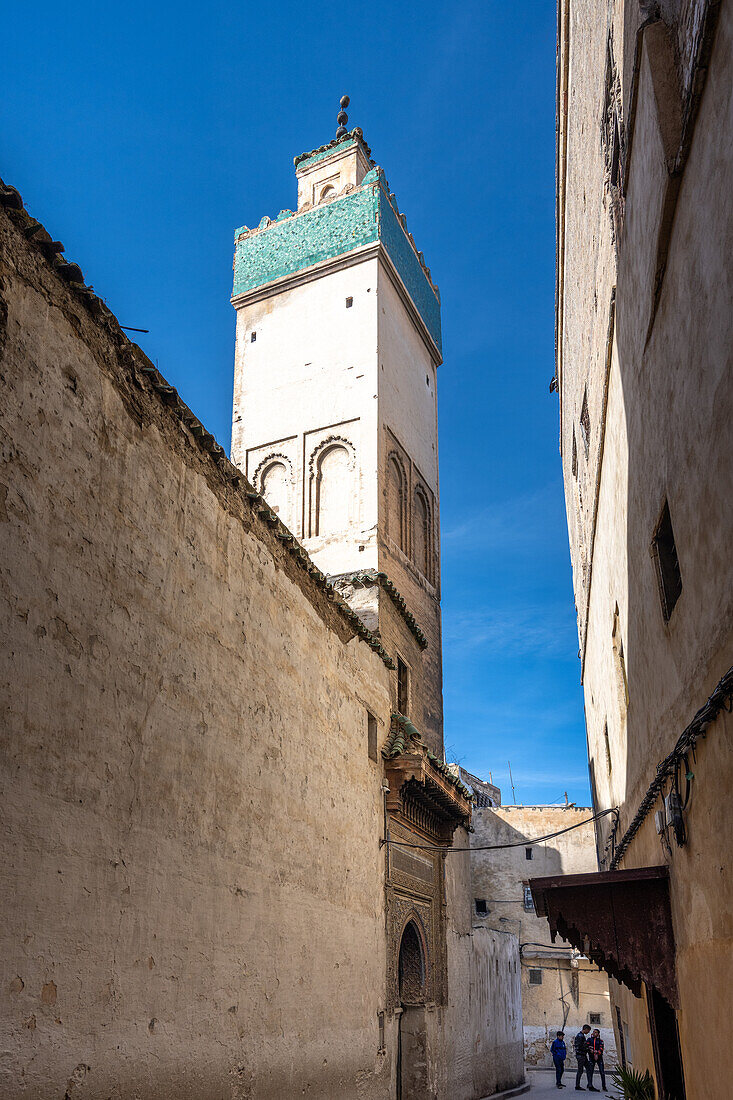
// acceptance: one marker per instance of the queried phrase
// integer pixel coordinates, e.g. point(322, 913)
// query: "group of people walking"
point(588, 1047)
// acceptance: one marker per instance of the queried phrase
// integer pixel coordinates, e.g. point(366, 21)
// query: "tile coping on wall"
point(71, 274)
point(365, 578)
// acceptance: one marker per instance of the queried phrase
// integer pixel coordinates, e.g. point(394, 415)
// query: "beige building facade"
point(644, 337)
point(561, 988)
point(221, 684)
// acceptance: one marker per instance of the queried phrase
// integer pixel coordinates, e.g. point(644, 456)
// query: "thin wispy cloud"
point(518, 521)
point(508, 632)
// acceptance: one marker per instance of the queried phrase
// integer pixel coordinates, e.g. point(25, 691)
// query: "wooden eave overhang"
point(621, 920)
point(415, 775)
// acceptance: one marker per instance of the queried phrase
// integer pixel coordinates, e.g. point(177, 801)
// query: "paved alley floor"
point(542, 1082)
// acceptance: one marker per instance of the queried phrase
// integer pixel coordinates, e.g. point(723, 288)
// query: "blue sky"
point(142, 135)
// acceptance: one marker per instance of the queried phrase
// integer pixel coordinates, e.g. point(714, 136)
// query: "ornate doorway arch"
point(412, 1044)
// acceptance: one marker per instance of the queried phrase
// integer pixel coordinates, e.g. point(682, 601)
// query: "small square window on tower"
point(535, 977)
point(481, 908)
point(349, 303)
point(664, 552)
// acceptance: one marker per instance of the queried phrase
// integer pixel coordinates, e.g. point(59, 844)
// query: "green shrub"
point(633, 1085)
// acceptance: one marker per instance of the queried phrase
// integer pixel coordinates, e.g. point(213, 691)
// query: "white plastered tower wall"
point(337, 359)
point(307, 380)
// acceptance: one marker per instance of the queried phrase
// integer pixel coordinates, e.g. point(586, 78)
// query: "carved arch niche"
point(274, 479)
point(412, 963)
point(422, 532)
point(332, 469)
point(396, 503)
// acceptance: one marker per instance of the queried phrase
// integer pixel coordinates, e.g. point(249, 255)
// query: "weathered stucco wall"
point(193, 890)
point(570, 989)
point(483, 1032)
point(658, 379)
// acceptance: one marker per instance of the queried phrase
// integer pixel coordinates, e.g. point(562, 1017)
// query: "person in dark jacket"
point(559, 1053)
point(595, 1057)
point(580, 1046)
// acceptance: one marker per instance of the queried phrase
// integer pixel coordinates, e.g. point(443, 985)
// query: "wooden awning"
point(620, 919)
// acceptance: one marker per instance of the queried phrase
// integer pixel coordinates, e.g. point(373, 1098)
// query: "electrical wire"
point(720, 699)
point(526, 843)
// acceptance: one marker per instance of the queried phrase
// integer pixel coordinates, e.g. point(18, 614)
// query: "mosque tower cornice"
point(345, 211)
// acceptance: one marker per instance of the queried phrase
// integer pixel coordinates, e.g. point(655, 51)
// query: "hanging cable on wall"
point(525, 843)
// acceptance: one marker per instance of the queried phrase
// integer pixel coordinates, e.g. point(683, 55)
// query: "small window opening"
point(535, 977)
point(528, 853)
point(620, 1031)
point(595, 1017)
point(402, 686)
point(607, 743)
point(575, 456)
point(615, 152)
point(380, 1021)
point(481, 907)
point(253, 338)
point(349, 303)
point(371, 736)
point(427, 379)
point(664, 552)
point(622, 683)
point(585, 423)
point(528, 900)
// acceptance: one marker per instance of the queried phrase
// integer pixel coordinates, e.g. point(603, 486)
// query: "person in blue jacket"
point(559, 1054)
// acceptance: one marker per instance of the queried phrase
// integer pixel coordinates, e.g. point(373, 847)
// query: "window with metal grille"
point(253, 337)
point(664, 552)
point(402, 686)
point(585, 423)
point(349, 303)
point(595, 1018)
point(528, 900)
point(481, 907)
point(535, 977)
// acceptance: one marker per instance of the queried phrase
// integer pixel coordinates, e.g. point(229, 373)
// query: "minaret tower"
point(335, 400)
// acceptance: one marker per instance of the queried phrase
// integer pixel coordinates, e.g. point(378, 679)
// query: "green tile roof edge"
point(393, 234)
point(36, 234)
point(402, 731)
point(381, 578)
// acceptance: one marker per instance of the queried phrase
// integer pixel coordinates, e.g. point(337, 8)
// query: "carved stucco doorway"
point(412, 1046)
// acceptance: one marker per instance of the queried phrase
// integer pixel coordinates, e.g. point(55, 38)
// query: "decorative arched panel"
point(422, 534)
point(331, 487)
point(412, 965)
point(396, 501)
point(274, 479)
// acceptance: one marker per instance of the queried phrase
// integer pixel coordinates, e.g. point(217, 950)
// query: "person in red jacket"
point(595, 1058)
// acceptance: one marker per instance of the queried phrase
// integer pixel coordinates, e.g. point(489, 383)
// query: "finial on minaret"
point(342, 118)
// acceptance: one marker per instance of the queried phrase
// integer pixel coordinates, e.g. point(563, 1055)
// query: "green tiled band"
point(296, 242)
